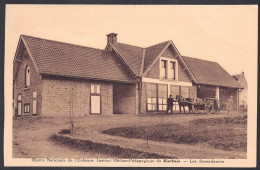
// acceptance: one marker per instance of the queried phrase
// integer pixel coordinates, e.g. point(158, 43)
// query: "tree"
point(151, 127)
point(71, 112)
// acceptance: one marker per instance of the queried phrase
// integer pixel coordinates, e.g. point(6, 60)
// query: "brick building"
point(52, 78)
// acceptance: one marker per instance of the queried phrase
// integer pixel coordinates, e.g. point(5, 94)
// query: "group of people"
point(230, 104)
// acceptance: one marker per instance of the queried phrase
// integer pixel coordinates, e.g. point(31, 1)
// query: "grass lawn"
point(226, 133)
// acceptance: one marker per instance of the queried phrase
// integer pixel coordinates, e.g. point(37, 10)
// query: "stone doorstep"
point(140, 145)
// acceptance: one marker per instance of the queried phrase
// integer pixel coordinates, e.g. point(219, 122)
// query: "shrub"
point(65, 131)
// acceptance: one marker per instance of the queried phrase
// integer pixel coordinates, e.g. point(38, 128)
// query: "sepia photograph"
point(131, 85)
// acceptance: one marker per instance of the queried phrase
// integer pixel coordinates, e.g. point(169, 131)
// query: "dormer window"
point(163, 69)
point(27, 76)
point(172, 70)
point(168, 69)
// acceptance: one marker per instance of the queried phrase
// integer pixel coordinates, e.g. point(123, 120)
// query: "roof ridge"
point(131, 45)
point(64, 42)
point(159, 43)
point(144, 47)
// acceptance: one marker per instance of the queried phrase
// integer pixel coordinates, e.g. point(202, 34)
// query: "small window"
point(27, 76)
point(27, 108)
point(172, 70)
point(162, 104)
point(19, 105)
point(151, 104)
point(35, 94)
point(95, 89)
point(163, 69)
point(34, 106)
point(19, 97)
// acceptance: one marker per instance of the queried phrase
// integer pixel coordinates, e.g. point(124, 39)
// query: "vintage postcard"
point(131, 85)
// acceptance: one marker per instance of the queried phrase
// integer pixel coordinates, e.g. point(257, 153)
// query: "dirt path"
point(30, 139)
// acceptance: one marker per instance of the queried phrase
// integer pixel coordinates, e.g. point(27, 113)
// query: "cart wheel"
point(208, 109)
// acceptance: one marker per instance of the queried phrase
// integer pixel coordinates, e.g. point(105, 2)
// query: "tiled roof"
point(152, 52)
point(132, 55)
point(210, 73)
point(63, 59)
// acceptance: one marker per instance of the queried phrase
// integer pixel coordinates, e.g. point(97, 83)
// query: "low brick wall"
point(63, 98)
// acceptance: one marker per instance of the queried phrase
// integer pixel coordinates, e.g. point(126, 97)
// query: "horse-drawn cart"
point(207, 104)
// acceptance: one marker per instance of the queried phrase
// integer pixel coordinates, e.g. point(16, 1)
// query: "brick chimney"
point(112, 38)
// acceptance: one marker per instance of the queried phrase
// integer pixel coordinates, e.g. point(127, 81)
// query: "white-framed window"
point(151, 104)
point(27, 76)
point(162, 97)
point(95, 89)
point(151, 92)
point(156, 97)
point(19, 98)
point(163, 69)
point(34, 103)
point(27, 108)
point(172, 70)
point(35, 94)
point(168, 69)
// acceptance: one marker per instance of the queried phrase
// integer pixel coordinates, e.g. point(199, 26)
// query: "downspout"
point(139, 81)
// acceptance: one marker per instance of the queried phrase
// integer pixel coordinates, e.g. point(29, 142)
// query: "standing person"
point(169, 103)
point(230, 104)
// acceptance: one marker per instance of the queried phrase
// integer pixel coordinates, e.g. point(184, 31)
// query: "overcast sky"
point(225, 34)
